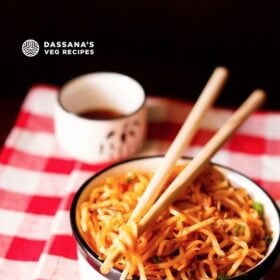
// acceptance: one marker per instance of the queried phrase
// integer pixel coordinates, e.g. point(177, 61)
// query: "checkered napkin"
point(38, 180)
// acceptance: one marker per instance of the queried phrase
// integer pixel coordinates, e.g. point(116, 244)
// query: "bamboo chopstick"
point(190, 172)
point(208, 96)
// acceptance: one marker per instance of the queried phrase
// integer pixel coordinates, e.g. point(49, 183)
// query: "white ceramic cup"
point(101, 140)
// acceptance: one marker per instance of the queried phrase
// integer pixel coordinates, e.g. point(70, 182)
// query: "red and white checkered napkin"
point(38, 180)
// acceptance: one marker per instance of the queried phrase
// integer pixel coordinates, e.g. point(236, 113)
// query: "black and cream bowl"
point(89, 264)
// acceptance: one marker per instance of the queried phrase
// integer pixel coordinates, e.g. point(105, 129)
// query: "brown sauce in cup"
point(101, 114)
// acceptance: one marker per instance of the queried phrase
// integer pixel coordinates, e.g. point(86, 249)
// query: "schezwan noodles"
point(213, 231)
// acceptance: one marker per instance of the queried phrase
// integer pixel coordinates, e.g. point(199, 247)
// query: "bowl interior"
point(271, 213)
point(102, 91)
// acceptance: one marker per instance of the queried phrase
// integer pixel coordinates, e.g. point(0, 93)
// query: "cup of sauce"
point(101, 117)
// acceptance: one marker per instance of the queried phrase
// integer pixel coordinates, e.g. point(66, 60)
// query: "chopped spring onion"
point(156, 259)
point(239, 230)
point(222, 277)
point(258, 207)
point(268, 239)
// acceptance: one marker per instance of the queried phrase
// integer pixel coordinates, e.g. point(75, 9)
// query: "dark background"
point(170, 47)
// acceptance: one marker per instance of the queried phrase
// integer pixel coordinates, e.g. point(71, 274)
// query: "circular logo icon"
point(30, 47)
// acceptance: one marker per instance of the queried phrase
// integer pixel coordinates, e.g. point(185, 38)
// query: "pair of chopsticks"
point(150, 205)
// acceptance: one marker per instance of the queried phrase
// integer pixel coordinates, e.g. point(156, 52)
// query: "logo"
point(30, 47)
point(68, 48)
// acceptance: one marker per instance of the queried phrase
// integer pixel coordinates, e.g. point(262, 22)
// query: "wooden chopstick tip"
point(258, 97)
point(218, 78)
point(222, 72)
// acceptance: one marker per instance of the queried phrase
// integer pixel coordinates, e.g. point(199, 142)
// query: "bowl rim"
point(252, 273)
point(94, 74)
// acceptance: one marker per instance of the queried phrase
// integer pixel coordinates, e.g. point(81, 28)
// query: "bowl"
point(100, 117)
point(89, 263)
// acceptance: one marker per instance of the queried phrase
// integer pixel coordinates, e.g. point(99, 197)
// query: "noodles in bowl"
point(218, 229)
